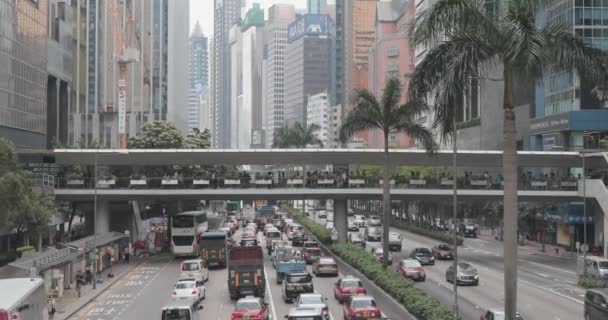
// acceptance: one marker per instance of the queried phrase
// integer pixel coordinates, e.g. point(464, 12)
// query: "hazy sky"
point(202, 10)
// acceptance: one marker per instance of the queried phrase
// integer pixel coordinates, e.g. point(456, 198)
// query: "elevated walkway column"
point(102, 217)
point(341, 219)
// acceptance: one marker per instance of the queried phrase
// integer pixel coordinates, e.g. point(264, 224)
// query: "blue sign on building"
point(309, 24)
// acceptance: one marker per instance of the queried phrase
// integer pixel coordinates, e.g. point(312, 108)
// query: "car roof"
point(304, 311)
point(298, 273)
point(327, 260)
point(349, 277)
point(362, 297)
point(602, 291)
point(192, 261)
point(249, 298)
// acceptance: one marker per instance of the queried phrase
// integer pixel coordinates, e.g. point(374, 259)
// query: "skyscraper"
point(156, 87)
point(226, 14)
point(279, 16)
point(199, 77)
point(309, 63)
point(23, 79)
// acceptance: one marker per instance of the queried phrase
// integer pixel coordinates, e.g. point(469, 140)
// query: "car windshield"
point(184, 285)
point(312, 299)
point(603, 264)
point(351, 283)
point(190, 266)
point(327, 261)
point(364, 303)
point(299, 279)
point(248, 305)
point(412, 264)
point(444, 247)
point(176, 314)
point(274, 234)
point(465, 267)
point(423, 252)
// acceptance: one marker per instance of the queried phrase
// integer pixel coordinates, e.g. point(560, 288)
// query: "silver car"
point(374, 221)
point(313, 300)
point(465, 274)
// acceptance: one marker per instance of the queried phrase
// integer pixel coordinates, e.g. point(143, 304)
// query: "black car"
point(596, 304)
point(443, 252)
point(467, 230)
point(297, 239)
point(423, 255)
point(296, 283)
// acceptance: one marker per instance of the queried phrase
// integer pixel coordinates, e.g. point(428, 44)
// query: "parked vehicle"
point(443, 252)
point(213, 248)
point(465, 274)
point(423, 255)
point(181, 309)
point(593, 266)
point(411, 268)
point(246, 272)
point(374, 221)
point(596, 304)
point(497, 314)
point(394, 241)
point(28, 292)
point(313, 300)
point(325, 266)
point(194, 269)
point(251, 308)
point(379, 254)
point(189, 288)
point(305, 313)
point(362, 307)
point(296, 283)
point(356, 238)
point(348, 287)
point(287, 261)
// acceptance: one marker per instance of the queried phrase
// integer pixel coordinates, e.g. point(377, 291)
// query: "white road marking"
point(551, 291)
point(551, 267)
point(274, 312)
point(542, 274)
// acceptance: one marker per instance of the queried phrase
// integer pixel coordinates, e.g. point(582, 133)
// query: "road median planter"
point(416, 301)
point(442, 236)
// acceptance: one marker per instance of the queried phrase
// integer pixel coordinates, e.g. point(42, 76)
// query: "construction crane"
point(123, 55)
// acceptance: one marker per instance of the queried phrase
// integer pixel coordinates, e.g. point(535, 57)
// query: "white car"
point(360, 217)
point(374, 221)
point(313, 300)
point(189, 288)
point(194, 269)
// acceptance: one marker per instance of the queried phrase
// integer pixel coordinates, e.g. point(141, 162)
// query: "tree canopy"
point(297, 136)
point(158, 135)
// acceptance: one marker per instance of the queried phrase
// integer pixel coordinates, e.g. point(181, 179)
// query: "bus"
point(214, 246)
point(185, 229)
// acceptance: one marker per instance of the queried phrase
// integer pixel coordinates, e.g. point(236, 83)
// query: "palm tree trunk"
point(386, 200)
point(509, 164)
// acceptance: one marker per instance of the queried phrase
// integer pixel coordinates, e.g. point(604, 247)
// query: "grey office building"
point(309, 63)
point(23, 75)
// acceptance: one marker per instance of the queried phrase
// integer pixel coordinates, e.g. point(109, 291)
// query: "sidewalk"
point(70, 303)
point(533, 247)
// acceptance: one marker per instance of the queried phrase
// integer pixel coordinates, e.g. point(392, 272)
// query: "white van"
point(181, 309)
point(595, 266)
point(26, 299)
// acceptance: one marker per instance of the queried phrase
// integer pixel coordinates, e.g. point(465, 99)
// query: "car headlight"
point(476, 277)
point(432, 258)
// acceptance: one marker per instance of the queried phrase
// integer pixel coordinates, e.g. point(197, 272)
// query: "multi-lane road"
point(142, 293)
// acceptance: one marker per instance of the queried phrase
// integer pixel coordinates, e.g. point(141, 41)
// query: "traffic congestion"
point(268, 255)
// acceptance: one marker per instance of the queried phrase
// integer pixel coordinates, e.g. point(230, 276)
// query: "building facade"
point(23, 79)
point(226, 14)
point(199, 77)
point(319, 112)
point(309, 63)
point(279, 17)
point(571, 114)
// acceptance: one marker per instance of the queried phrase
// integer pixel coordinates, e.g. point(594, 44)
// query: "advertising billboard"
point(309, 24)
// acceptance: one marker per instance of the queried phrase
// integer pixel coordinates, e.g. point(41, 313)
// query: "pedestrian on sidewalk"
point(50, 307)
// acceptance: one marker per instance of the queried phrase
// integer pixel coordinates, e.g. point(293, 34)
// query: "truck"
point(285, 261)
point(26, 299)
point(246, 272)
point(213, 246)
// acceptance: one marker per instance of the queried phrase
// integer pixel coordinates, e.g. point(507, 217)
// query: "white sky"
point(202, 10)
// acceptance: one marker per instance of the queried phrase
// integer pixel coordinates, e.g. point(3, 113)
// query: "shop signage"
point(558, 122)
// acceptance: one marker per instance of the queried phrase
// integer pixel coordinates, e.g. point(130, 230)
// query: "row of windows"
point(591, 16)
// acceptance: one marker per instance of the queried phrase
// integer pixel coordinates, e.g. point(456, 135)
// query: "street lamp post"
point(455, 213)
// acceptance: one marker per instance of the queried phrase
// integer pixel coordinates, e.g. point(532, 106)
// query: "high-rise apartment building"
point(279, 17)
point(570, 113)
point(226, 14)
point(156, 87)
point(309, 63)
point(23, 75)
point(199, 77)
point(319, 112)
point(316, 6)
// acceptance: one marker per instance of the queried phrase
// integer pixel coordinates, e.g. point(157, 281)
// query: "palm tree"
point(387, 115)
point(467, 41)
point(297, 136)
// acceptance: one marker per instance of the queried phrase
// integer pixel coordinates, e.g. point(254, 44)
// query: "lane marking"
point(551, 267)
point(553, 292)
point(542, 274)
point(274, 312)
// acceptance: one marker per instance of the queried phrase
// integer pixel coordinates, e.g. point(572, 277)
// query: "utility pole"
point(455, 212)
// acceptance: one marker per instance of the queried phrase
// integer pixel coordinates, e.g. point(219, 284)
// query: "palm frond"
point(419, 134)
point(366, 114)
point(390, 98)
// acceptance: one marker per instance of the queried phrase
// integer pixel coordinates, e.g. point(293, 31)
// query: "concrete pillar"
point(102, 217)
point(58, 104)
point(341, 218)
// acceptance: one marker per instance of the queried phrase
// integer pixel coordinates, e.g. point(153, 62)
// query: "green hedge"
point(416, 301)
point(7, 257)
point(24, 249)
point(322, 233)
point(442, 236)
point(589, 282)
